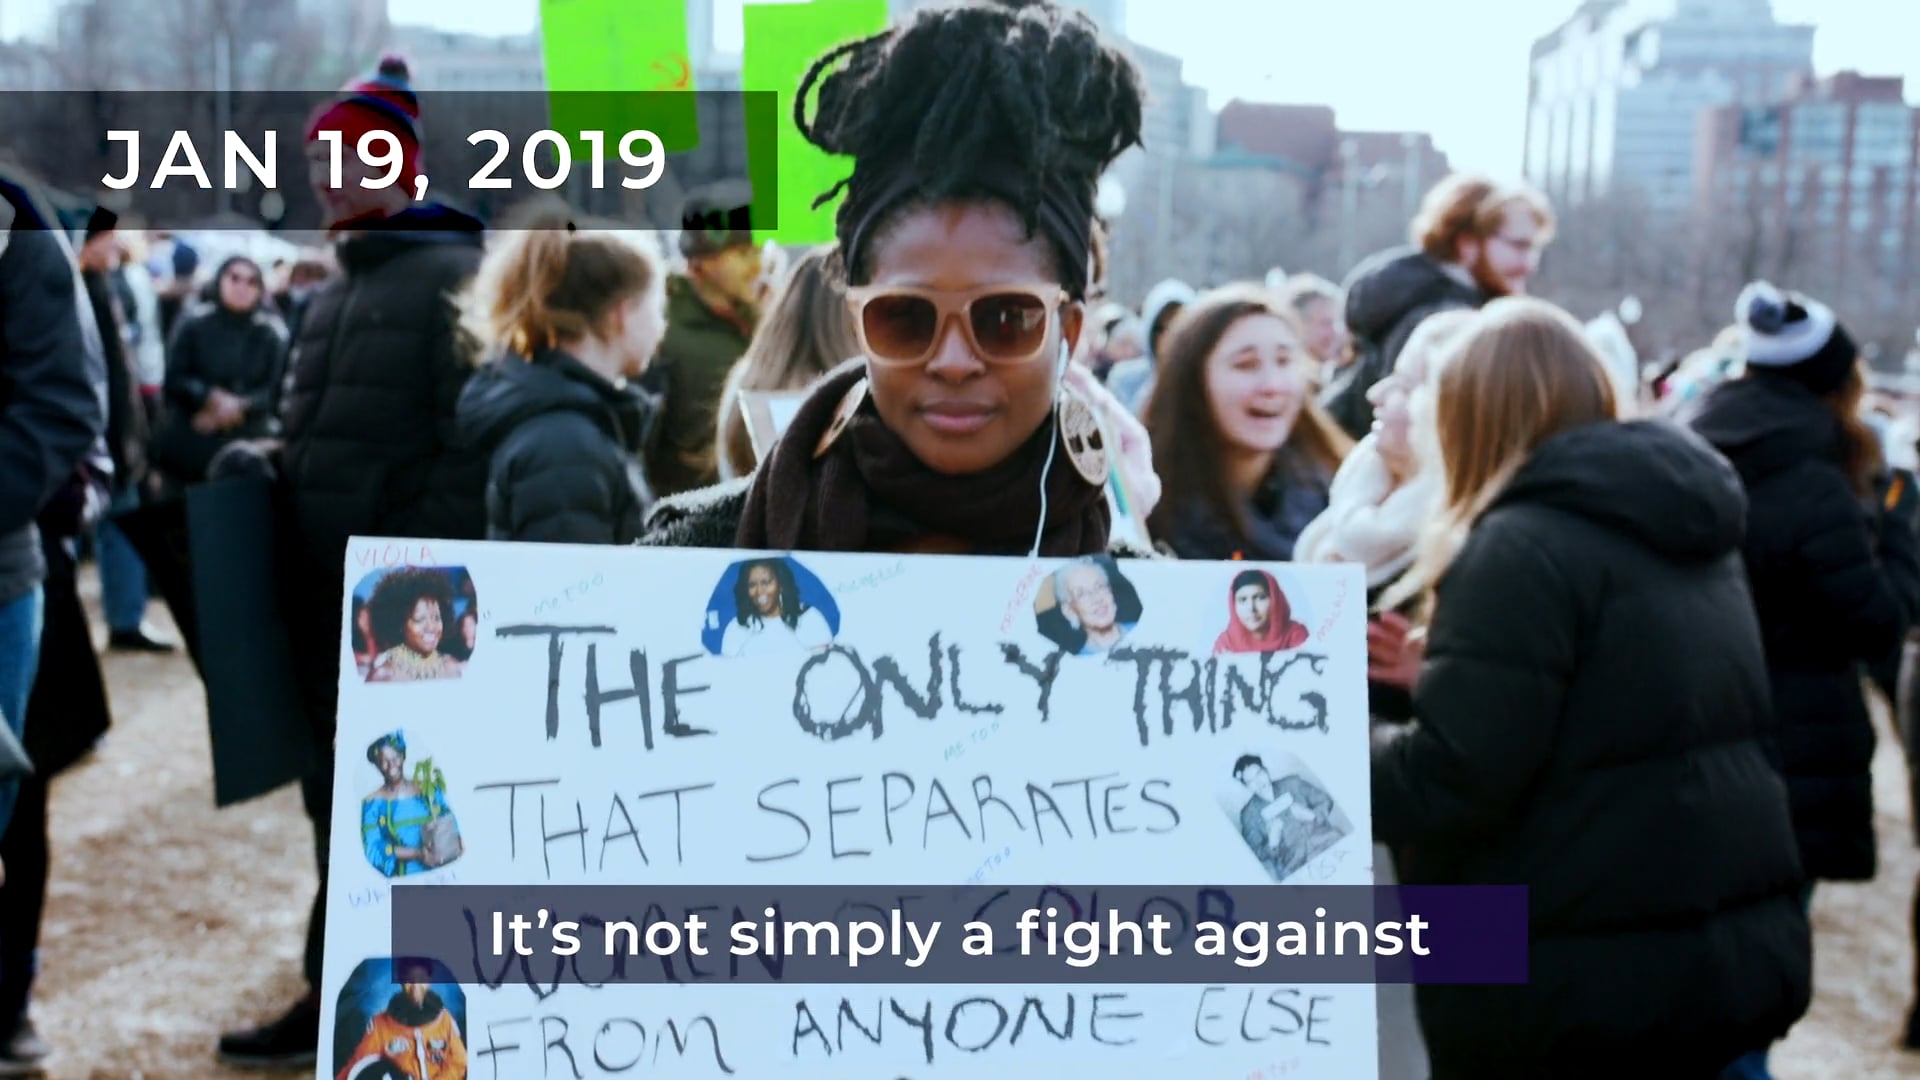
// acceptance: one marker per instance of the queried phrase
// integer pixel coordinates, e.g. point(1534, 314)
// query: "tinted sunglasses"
point(1005, 324)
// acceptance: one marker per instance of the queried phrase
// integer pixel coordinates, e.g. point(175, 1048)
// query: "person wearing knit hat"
point(376, 372)
point(1825, 574)
point(711, 313)
point(380, 101)
point(1794, 336)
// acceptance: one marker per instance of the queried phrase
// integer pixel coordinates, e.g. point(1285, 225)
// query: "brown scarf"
point(869, 493)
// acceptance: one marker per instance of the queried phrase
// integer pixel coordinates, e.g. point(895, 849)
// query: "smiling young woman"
point(1247, 454)
point(978, 136)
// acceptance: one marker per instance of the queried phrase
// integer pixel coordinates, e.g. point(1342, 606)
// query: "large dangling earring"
point(842, 416)
point(1085, 444)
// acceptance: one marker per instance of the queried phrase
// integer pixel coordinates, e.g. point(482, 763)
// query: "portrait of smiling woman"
point(769, 617)
point(1088, 606)
point(413, 607)
point(1247, 456)
point(978, 135)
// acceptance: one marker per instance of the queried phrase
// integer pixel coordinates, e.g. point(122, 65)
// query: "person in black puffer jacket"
point(573, 314)
point(371, 447)
point(1827, 603)
point(376, 374)
point(1587, 725)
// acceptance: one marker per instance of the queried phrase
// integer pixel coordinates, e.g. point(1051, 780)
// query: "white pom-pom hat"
point(1789, 334)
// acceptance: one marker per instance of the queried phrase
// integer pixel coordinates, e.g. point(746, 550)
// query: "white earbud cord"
point(1041, 529)
point(1053, 444)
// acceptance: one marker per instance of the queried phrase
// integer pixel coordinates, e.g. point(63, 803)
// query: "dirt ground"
point(168, 921)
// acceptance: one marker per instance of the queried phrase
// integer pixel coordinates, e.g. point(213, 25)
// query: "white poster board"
point(1121, 773)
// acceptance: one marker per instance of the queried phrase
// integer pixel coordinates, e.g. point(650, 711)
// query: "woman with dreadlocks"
point(978, 134)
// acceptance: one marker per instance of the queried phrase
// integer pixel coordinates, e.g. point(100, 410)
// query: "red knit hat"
point(382, 101)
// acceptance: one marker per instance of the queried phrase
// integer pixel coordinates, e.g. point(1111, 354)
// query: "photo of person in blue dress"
point(406, 826)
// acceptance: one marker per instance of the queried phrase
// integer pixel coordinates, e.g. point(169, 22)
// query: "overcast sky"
point(1382, 64)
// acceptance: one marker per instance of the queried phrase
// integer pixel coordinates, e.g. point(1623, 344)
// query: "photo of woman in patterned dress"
point(406, 826)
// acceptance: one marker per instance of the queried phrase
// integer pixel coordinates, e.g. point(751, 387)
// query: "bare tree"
point(1686, 269)
point(86, 52)
point(244, 45)
point(1234, 221)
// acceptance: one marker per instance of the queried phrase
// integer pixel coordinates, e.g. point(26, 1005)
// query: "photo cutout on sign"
point(1261, 617)
point(770, 606)
point(1283, 811)
point(406, 826)
point(1087, 606)
point(414, 623)
point(411, 1031)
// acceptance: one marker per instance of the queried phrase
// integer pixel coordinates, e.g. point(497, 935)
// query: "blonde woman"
point(1387, 489)
point(1588, 724)
point(570, 313)
point(805, 333)
point(1382, 495)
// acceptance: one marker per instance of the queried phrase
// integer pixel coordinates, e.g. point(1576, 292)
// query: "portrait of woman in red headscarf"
point(1259, 619)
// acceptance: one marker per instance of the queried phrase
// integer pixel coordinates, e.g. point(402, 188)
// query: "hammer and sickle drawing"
point(674, 73)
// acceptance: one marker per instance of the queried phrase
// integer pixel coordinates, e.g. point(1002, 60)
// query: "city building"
point(1834, 160)
point(1176, 131)
point(1167, 126)
point(1617, 90)
point(1307, 140)
point(700, 44)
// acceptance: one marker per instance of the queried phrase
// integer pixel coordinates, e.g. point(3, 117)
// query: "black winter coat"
point(52, 379)
point(371, 442)
point(1290, 496)
point(1388, 296)
point(1588, 721)
point(216, 348)
point(688, 375)
point(1826, 605)
point(565, 447)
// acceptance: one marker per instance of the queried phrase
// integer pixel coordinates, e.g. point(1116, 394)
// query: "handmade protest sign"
point(782, 40)
point(558, 720)
point(625, 46)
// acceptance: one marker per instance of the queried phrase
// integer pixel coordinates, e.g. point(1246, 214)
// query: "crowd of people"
point(1620, 636)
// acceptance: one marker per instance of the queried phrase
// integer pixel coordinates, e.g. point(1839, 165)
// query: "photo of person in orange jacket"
point(414, 1038)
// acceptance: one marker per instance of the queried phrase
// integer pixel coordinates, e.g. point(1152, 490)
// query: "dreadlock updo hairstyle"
point(1018, 102)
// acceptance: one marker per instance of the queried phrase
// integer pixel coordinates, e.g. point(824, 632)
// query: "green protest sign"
point(615, 47)
point(782, 41)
